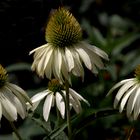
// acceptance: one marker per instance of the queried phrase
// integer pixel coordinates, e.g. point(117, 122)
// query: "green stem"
point(68, 109)
point(15, 130)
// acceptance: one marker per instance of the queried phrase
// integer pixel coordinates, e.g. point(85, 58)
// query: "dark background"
point(22, 24)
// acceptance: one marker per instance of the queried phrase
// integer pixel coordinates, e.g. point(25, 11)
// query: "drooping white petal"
point(47, 56)
point(69, 59)
point(75, 104)
point(37, 49)
point(84, 56)
point(47, 106)
point(48, 69)
point(132, 99)
point(125, 98)
point(121, 92)
point(39, 96)
point(64, 68)
point(44, 60)
point(8, 107)
point(96, 50)
point(118, 84)
point(19, 92)
point(60, 104)
point(136, 111)
point(75, 95)
point(57, 64)
point(95, 58)
point(78, 68)
point(21, 108)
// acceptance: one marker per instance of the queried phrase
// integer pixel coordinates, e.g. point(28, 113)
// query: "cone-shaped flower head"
point(65, 52)
point(56, 94)
point(12, 98)
point(63, 30)
point(128, 96)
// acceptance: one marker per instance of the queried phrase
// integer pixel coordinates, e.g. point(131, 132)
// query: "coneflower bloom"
point(13, 99)
point(65, 52)
point(128, 96)
point(56, 94)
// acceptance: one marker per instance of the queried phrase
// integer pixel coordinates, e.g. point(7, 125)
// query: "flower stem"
point(68, 109)
point(15, 130)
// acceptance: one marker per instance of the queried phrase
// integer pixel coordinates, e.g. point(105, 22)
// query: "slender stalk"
point(15, 130)
point(58, 118)
point(68, 109)
point(131, 130)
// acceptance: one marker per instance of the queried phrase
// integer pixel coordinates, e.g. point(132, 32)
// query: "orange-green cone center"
point(3, 76)
point(63, 30)
point(55, 86)
point(137, 72)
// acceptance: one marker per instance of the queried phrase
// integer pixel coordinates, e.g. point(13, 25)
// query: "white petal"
point(95, 58)
point(77, 96)
point(132, 100)
point(60, 104)
point(21, 108)
point(37, 48)
point(84, 56)
point(136, 107)
point(47, 106)
point(69, 59)
point(75, 104)
point(78, 68)
point(119, 84)
point(96, 50)
point(57, 64)
point(39, 96)
point(48, 69)
point(121, 92)
point(125, 98)
point(10, 110)
point(43, 61)
point(65, 71)
point(19, 92)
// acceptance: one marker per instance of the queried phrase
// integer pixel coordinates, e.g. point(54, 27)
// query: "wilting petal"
point(75, 95)
point(84, 56)
point(126, 96)
point(37, 49)
point(121, 92)
point(47, 106)
point(136, 108)
point(9, 109)
point(119, 84)
point(69, 59)
point(39, 96)
point(60, 104)
point(132, 100)
point(21, 109)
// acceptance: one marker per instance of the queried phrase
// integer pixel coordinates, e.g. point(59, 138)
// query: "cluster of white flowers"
point(64, 54)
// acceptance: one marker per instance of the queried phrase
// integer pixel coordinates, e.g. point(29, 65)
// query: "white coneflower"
point(56, 94)
point(128, 95)
point(65, 51)
point(12, 99)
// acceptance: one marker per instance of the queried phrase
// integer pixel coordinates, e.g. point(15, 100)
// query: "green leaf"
point(18, 67)
point(94, 34)
point(119, 44)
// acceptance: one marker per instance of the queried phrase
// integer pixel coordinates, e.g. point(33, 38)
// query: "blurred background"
point(112, 25)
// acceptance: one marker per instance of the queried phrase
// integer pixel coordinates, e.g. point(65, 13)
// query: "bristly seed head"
point(3, 76)
point(55, 86)
point(63, 30)
point(137, 72)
